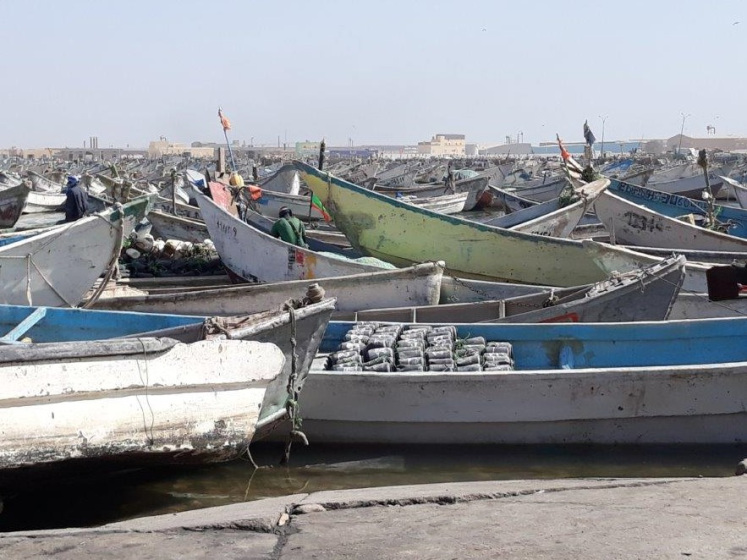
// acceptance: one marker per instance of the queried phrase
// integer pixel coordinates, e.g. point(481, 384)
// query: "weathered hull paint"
point(417, 285)
point(633, 224)
point(402, 234)
point(203, 401)
point(12, 202)
point(251, 254)
point(168, 226)
point(57, 267)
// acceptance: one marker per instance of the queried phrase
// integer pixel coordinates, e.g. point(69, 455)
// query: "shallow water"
point(314, 468)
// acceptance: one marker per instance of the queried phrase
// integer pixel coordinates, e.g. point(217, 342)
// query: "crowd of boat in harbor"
point(506, 302)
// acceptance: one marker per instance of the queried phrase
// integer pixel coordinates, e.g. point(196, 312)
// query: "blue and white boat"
point(300, 333)
point(650, 382)
point(674, 205)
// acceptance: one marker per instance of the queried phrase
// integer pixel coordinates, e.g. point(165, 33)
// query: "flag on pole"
point(316, 202)
point(588, 134)
point(224, 120)
point(570, 163)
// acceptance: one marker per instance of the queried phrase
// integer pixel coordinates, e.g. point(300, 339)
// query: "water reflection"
point(314, 468)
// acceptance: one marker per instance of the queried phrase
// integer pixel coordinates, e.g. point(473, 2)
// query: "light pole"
point(604, 119)
point(682, 130)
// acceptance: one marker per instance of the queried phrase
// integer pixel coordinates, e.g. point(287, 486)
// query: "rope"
point(291, 404)
point(150, 439)
point(30, 262)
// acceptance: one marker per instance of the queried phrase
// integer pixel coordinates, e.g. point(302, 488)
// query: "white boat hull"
point(196, 402)
point(168, 226)
point(400, 288)
point(251, 254)
point(684, 404)
point(633, 224)
point(38, 202)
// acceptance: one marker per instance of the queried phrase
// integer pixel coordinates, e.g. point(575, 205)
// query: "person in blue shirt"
point(76, 204)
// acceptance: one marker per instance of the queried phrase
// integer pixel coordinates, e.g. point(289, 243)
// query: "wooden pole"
point(173, 191)
point(322, 147)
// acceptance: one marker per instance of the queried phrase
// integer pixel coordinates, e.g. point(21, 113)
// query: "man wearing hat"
point(289, 228)
point(76, 204)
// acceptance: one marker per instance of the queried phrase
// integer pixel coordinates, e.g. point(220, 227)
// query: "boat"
point(659, 382)
point(12, 202)
point(509, 201)
point(135, 402)
point(416, 285)
point(168, 226)
point(555, 218)
point(474, 187)
point(270, 203)
point(645, 295)
point(251, 255)
point(443, 204)
point(691, 186)
point(740, 191)
point(675, 206)
point(42, 184)
point(539, 190)
point(42, 201)
point(58, 266)
point(318, 236)
point(296, 328)
point(402, 234)
point(284, 180)
point(633, 224)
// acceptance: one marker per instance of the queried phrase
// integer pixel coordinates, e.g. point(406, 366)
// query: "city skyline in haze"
point(376, 73)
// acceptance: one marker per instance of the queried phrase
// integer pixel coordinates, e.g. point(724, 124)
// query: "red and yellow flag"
point(224, 120)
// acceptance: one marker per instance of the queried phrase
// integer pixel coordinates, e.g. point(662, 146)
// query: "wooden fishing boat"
point(86, 401)
point(12, 202)
point(540, 190)
point(320, 238)
point(402, 287)
point(284, 180)
point(691, 186)
point(644, 295)
point(270, 203)
point(474, 187)
point(740, 191)
point(402, 234)
point(168, 226)
point(41, 201)
point(555, 218)
point(674, 206)
point(604, 383)
point(509, 201)
point(42, 184)
point(296, 329)
point(634, 224)
point(253, 255)
point(57, 267)
point(443, 204)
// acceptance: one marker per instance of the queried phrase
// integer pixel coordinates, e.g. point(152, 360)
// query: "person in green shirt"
point(289, 228)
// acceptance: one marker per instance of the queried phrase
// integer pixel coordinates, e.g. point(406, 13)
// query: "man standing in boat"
point(76, 204)
point(289, 228)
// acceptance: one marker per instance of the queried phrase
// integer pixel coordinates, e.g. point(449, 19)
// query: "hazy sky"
point(378, 72)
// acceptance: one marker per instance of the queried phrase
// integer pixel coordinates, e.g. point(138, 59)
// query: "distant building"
point(713, 143)
point(163, 147)
point(444, 145)
point(308, 149)
point(507, 149)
